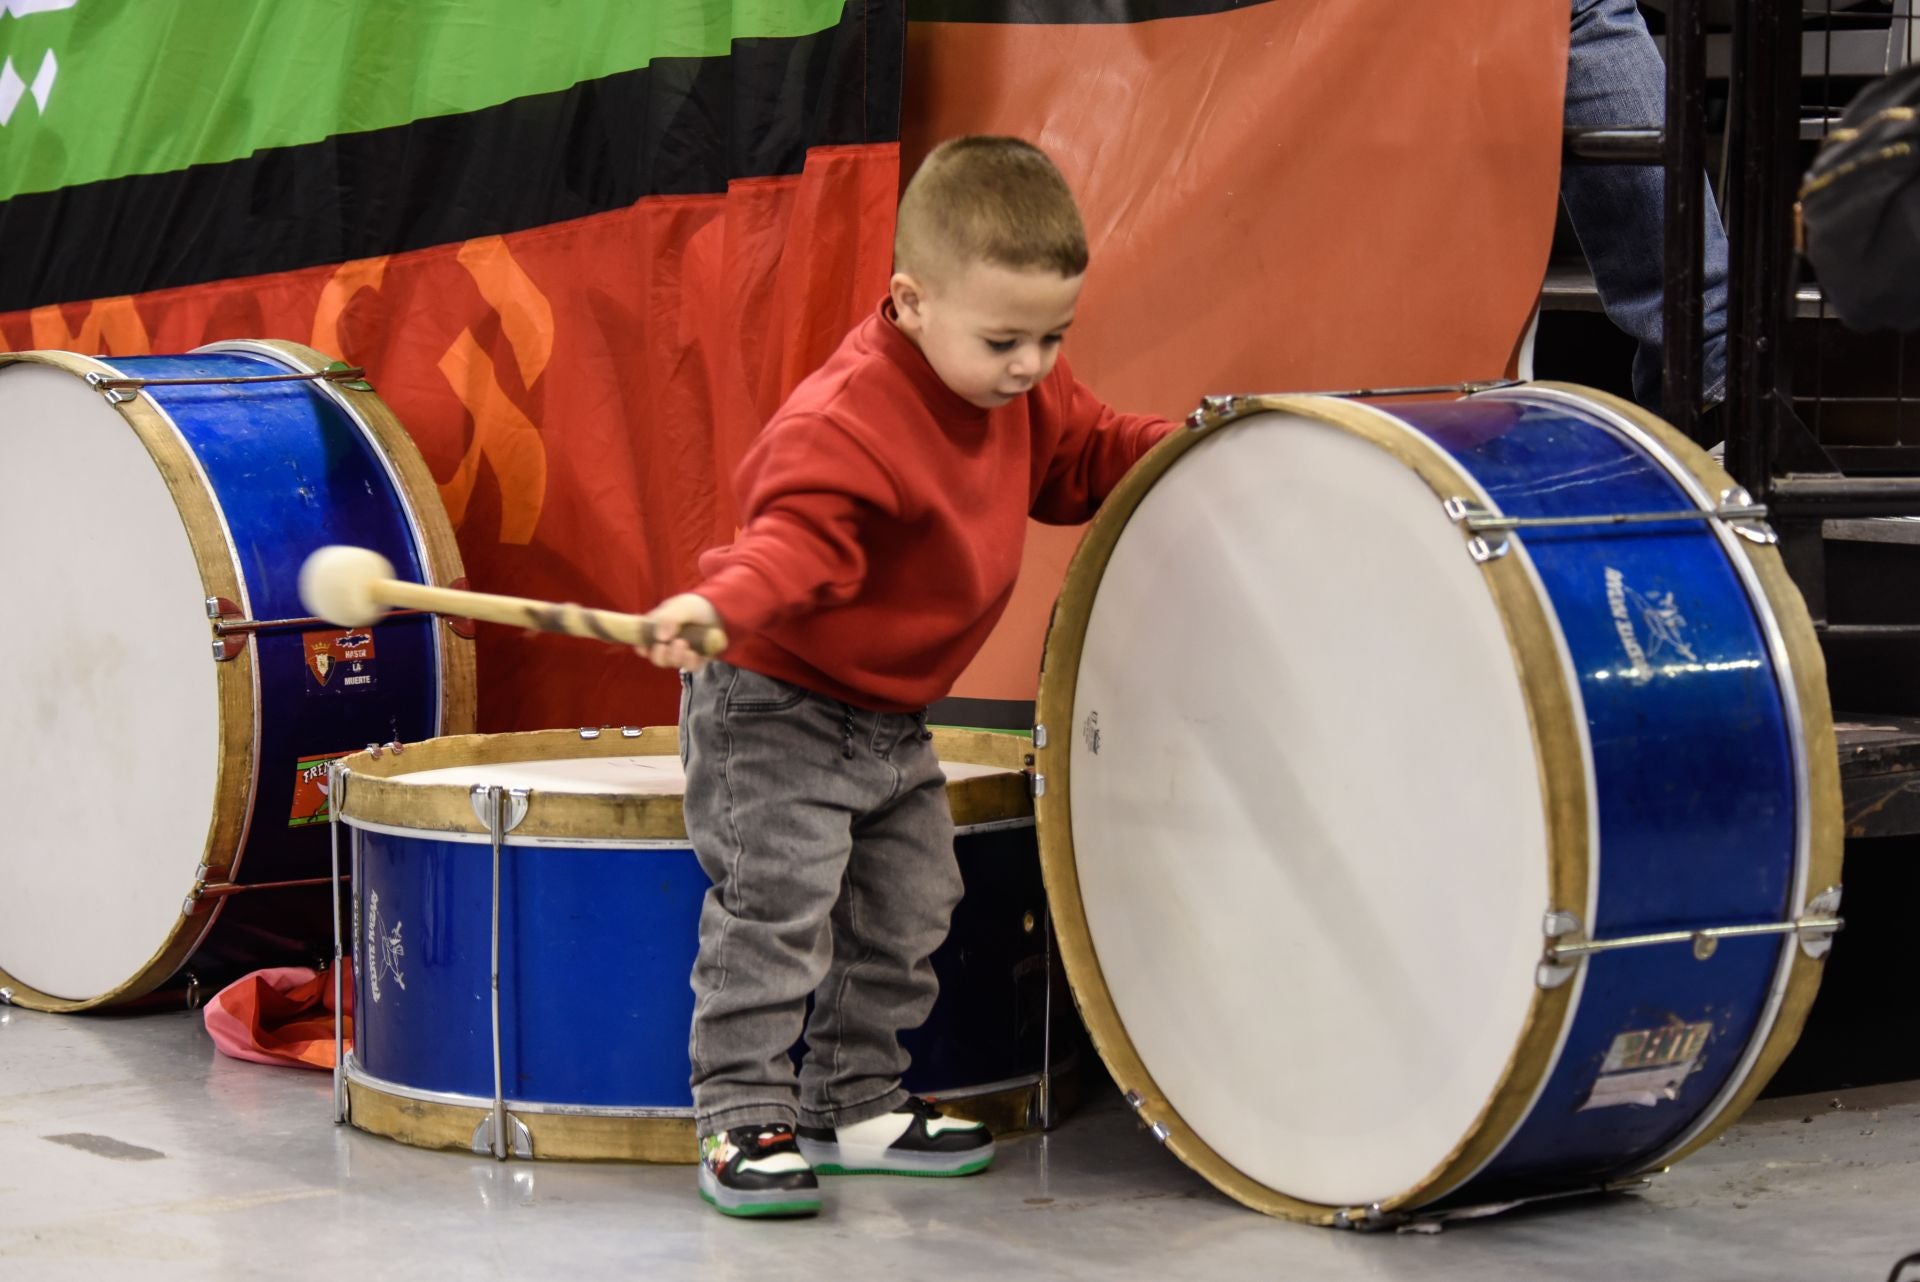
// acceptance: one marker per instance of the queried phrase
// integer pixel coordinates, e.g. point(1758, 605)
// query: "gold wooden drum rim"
point(1559, 751)
point(378, 790)
point(236, 679)
point(607, 1135)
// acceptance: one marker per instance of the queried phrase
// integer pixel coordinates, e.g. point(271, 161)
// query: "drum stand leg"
point(1046, 1030)
point(336, 790)
point(501, 809)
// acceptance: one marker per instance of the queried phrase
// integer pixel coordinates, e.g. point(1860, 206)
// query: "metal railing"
point(1836, 447)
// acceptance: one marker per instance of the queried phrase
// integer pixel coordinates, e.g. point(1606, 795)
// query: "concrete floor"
point(130, 1148)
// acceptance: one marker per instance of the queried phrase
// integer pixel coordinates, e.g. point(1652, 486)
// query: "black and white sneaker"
point(914, 1139)
point(757, 1170)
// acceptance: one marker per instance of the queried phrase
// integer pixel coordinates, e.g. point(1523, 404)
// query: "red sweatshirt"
point(884, 518)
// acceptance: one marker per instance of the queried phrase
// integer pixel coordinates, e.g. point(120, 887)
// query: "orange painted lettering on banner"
point(502, 435)
point(347, 280)
point(526, 317)
point(114, 320)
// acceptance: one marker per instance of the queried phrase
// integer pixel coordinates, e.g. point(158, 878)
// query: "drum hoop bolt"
point(1365, 1219)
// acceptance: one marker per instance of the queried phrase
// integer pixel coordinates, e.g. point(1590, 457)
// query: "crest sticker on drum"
point(341, 662)
point(311, 782)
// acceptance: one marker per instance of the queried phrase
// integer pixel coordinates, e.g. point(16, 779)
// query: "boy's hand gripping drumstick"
point(354, 587)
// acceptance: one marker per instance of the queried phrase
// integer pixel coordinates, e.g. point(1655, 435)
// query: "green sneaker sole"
point(834, 1168)
point(763, 1210)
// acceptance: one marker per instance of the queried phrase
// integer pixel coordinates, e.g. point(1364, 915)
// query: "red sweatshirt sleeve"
point(806, 487)
point(1096, 447)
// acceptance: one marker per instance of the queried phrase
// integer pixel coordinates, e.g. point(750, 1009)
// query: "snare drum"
point(584, 921)
point(1489, 848)
point(170, 713)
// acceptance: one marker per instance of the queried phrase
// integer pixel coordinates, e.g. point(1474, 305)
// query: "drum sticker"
point(391, 950)
point(339, 662)
point(1647, 1066)
point(1664, 624)
point(310, 780)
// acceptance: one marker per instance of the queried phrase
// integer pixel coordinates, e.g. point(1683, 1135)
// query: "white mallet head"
point(336, 583)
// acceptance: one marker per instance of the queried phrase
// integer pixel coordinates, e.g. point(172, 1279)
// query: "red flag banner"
point(1280, 196)
point(582, 301)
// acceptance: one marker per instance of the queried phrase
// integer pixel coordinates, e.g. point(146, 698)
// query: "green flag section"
point(679, 125)
point(1067, 12)
point(202, 82)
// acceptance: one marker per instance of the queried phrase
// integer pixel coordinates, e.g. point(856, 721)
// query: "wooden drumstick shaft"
point(542, 616)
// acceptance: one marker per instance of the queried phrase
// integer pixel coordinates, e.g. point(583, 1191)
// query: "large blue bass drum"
point(170, 709)
point(1489, 847)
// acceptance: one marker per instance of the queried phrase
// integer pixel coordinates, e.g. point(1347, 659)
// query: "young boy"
point(885, 506)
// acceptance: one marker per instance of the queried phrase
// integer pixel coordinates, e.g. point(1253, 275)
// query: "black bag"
point(1860, 207)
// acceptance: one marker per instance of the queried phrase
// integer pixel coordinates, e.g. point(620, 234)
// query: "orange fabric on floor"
point(283, 1015)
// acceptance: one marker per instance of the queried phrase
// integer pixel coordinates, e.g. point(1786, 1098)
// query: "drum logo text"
point(389, 947)
point(1664, 624)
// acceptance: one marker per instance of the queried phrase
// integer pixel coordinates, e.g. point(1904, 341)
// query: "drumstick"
point(354, 587)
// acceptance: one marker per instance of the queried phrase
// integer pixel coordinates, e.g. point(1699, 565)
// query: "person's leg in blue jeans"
point(1615, 76)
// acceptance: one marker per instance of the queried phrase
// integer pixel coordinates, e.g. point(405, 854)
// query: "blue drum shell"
point(597, 944)
point(1695, 767)
point(291, 470)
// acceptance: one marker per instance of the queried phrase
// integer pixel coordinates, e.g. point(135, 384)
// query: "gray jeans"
point(826, 832)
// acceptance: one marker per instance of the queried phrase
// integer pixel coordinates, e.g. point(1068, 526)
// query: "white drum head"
point(1306, 812)
point(580, 776)
point(109, 691)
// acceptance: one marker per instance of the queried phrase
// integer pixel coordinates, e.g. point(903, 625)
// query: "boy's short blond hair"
point(985, 198)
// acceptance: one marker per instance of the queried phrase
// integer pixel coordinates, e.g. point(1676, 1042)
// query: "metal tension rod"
point(1703, 940)
point(345, 375)
point(1751, 512)
point(1475, 517)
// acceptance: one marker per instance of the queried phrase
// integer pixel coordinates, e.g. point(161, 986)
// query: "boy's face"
point(990, 332)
